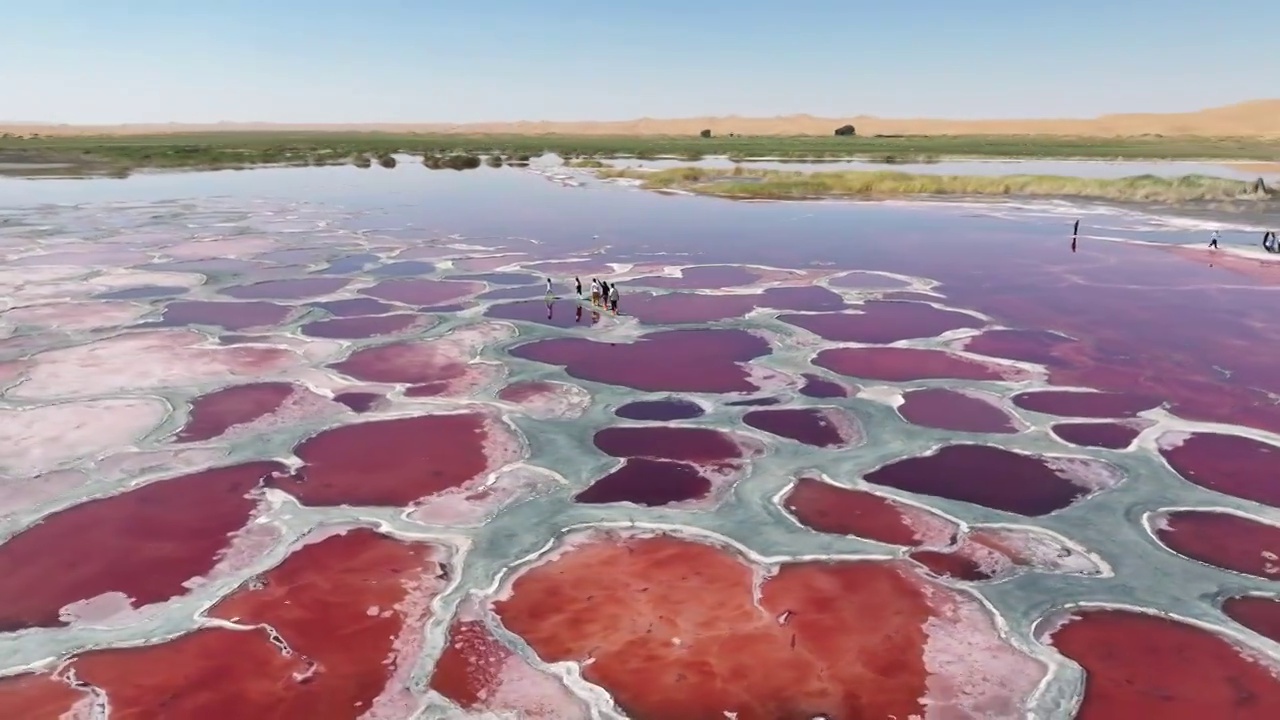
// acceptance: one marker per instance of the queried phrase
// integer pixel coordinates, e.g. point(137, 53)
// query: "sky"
point(329, 61)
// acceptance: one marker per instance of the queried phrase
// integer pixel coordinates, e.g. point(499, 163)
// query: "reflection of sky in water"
point(413, 201)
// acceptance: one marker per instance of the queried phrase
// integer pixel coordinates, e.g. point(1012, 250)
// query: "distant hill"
point(1257, 118)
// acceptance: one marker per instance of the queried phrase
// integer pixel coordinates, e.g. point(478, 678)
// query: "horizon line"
point(686, 118)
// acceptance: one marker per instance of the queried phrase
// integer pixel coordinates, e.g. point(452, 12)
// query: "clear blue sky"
point(108, 61)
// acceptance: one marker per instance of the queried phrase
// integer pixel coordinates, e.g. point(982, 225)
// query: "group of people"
point(603, 294)
point(1269, 241)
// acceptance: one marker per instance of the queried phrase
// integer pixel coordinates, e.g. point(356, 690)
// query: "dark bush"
point(387, 160)
point(494, 160)
point(845, 130)
point(460, 162)
point(705, 133)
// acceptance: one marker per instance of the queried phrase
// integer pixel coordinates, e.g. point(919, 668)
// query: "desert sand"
point(1257, 118)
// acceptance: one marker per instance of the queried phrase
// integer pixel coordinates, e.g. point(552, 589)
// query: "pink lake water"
point(837, 460)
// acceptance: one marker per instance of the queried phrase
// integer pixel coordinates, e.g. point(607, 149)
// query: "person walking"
point(604, 293)
point(1213, 240)
point(550, 292)
point(577, 286)
point(613, 298)
point(595, 292)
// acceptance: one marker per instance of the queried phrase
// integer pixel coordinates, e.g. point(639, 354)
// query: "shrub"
point(460, 162)
point(705, 133)
point(845, 130)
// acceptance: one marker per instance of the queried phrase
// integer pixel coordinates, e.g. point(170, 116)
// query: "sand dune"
point(1257, 118)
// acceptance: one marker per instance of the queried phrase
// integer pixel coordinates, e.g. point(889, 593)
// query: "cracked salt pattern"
point(94, 395)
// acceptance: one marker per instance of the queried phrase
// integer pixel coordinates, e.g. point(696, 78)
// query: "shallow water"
point(300, 428)
point(1099, 169)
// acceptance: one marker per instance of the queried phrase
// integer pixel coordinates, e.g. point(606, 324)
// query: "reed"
point(743, 182)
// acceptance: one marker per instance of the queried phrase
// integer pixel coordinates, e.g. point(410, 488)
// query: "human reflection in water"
point(550, 302)
point(577, 314)
point(1073, 244)
point(595, 316)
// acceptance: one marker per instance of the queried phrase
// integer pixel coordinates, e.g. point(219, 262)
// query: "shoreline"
point(740, 183)
point(112, 154)
point(45, 167)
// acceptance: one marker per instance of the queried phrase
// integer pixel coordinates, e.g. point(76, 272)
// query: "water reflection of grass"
point(742, 182)
point(241, 149)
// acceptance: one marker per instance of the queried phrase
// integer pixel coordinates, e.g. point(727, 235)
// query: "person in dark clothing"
point(613, 298)
point(1075, 230)
point(604, 292)
point(577, 286)
point(1213, 241)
